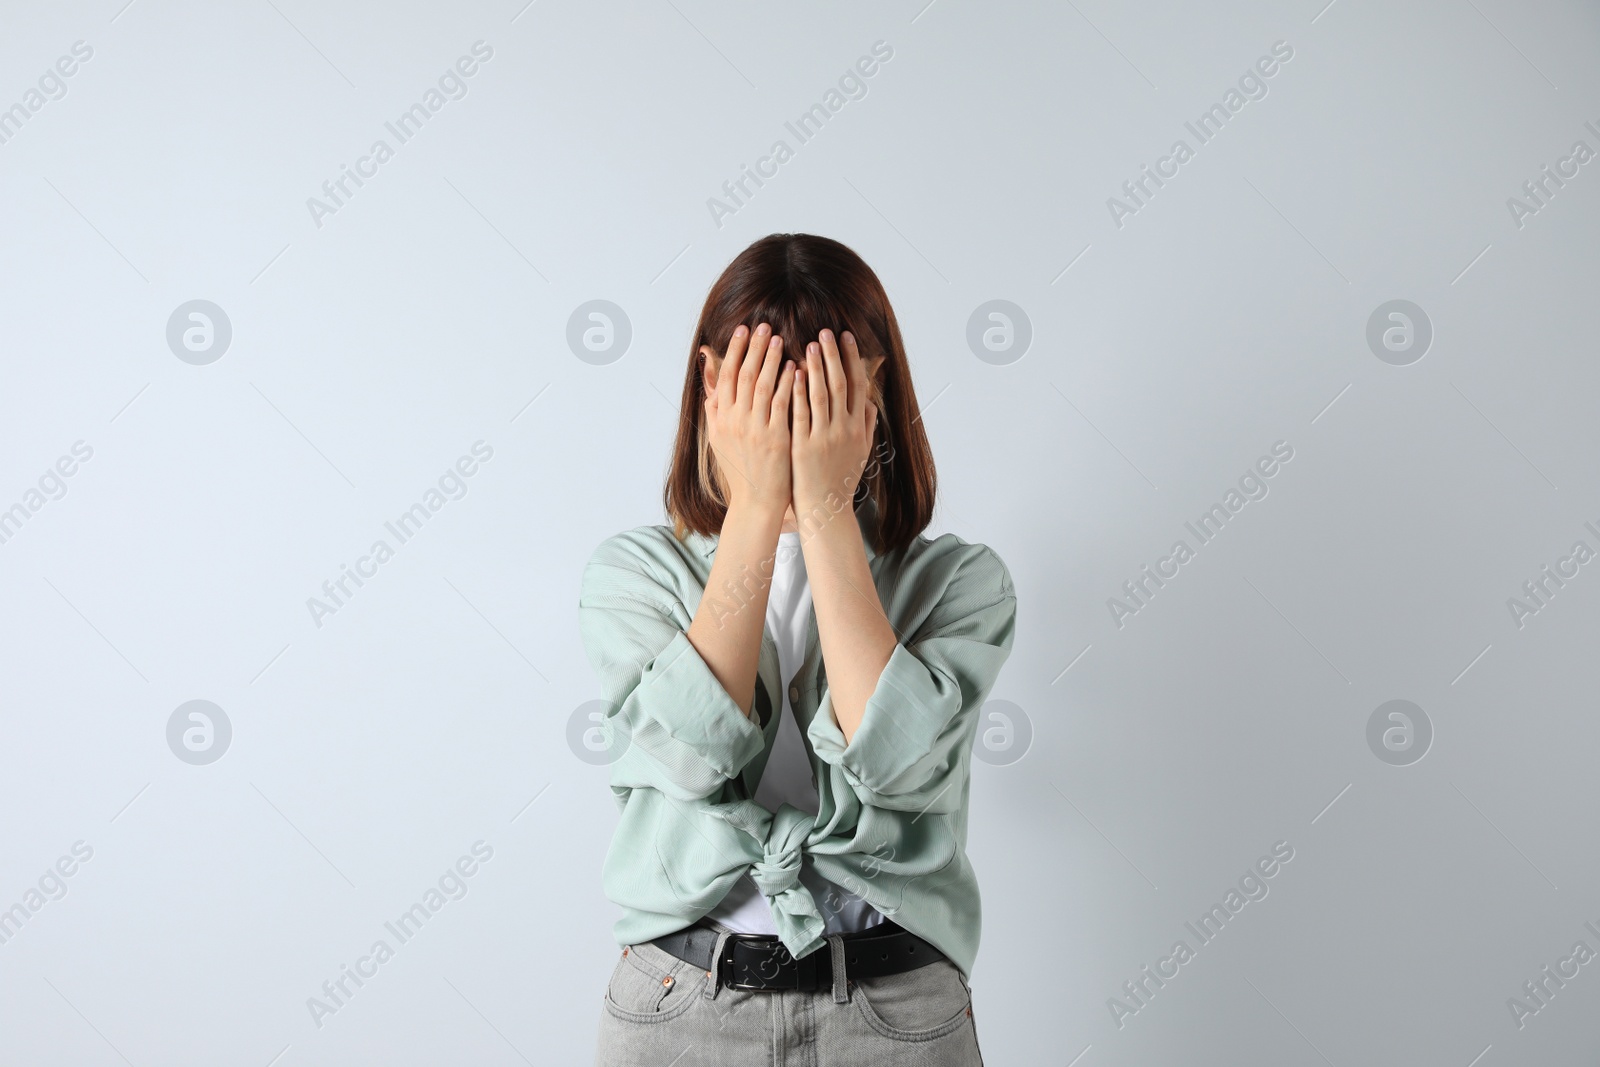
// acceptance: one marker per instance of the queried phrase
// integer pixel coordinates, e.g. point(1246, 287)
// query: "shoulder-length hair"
point(801, 284)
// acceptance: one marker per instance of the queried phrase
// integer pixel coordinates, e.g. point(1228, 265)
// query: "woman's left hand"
point(834, 421)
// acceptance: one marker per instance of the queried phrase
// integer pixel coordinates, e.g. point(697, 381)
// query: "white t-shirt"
point(787, 777)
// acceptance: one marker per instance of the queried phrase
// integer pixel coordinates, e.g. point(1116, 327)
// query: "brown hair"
point(801, 284)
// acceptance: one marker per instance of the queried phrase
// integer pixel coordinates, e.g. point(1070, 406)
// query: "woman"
point(795, 675)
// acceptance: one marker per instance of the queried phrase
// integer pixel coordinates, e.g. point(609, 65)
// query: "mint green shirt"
point(891, 824)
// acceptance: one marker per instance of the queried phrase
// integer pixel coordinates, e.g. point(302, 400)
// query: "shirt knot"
point(781, 836)
point(777, 870)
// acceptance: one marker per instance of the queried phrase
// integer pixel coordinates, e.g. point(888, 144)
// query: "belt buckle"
point(768, 971)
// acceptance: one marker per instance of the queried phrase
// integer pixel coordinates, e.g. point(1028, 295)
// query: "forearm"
point(728, 624)
point(856, 637)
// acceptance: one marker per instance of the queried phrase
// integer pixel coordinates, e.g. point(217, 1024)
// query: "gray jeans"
point(661, 1010)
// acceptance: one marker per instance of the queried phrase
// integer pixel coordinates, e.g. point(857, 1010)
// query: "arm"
point(911, 749)
point(857, 640)
point(834, 421)
point(899, 715)
point(727, 625)
point(746, 421)
point(674, 727)
point(681, 697)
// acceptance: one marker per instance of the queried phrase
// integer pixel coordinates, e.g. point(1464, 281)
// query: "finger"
point(768, 377)
point(783, 396)
point(857, 368)
point(730, 364)
point(709, 420)
point(838, 383)
point(817, 384)
point(750, 366)
point(802, 405)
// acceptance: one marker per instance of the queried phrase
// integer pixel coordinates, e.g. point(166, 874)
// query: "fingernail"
point(826, 334)
point(849, 337)
point(741, 330)
point(763, 328)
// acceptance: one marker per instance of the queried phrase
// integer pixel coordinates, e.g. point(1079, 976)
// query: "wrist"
point(829, 520)
point(755, 514)
point(821, 502)
point(835, 492)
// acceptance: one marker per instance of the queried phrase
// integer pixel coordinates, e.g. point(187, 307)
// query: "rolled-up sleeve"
point(910, 751)
point(679, 730)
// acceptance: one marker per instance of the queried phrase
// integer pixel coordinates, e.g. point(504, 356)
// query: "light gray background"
point(430, 312)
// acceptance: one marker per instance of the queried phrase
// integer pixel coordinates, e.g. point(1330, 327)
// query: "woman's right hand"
point(747, 417)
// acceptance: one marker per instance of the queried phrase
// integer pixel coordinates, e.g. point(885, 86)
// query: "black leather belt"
point(760, 961)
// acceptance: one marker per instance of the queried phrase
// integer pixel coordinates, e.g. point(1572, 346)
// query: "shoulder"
point(960, 568)
point(645, 557)
point(642, 544)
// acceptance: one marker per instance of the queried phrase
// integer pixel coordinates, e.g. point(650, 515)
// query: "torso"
point(788, 775)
